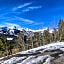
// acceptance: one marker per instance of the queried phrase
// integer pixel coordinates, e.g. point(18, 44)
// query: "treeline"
point(24, 42)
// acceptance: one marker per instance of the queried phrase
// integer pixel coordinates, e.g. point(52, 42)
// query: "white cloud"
point(26, 10)
point(11, 25)
point(25, 20)
point(31, 8)
point(35, 7)
point(22, 6)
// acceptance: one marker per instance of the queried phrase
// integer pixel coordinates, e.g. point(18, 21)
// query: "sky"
point(31, 14)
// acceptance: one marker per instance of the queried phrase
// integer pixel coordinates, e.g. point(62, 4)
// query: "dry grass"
point(15, 51)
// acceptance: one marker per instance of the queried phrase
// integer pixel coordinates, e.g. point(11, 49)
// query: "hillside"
point(49, 54)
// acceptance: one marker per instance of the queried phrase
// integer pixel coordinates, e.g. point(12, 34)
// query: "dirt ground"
point(59, 60)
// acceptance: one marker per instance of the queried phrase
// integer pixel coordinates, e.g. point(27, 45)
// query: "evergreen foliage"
point(24, 42)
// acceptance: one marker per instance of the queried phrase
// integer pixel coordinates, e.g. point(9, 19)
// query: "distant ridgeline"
point(10, 34)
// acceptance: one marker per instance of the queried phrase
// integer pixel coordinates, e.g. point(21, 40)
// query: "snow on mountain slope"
point(49, 47)
point(41, 55)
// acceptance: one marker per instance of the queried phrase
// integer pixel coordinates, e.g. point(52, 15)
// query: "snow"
point(49, 47)
point(11, 32)
point(62, 49)
point(9, 38)
point(36, 59)
point(48, 60)
point(27, 60)
point(13, 60)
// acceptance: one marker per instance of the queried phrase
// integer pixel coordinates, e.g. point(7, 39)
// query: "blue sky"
point(32, 14)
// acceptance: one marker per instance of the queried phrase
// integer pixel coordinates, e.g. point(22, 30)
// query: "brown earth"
point(59, 60)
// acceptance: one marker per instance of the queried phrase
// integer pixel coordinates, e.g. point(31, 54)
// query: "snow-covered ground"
point(39, 56)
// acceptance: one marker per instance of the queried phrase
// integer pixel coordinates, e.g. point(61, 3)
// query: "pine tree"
point(61, 29)
point(46, 36)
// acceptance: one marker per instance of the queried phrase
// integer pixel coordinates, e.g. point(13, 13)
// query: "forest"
point(24, 42)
